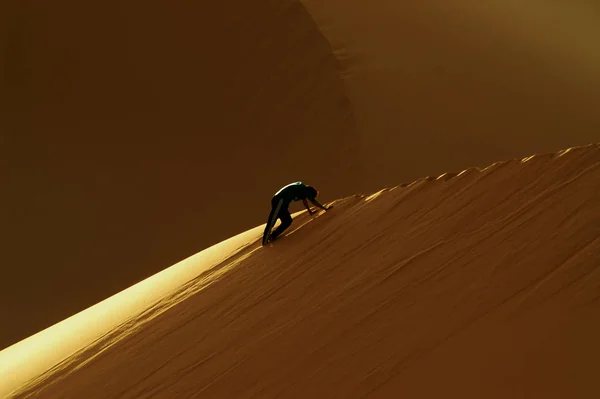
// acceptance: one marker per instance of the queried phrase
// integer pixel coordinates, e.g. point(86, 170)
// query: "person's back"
point(279, 207)
point(292, 192)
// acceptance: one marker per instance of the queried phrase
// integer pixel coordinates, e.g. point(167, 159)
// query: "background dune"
point(441, 85)
point(477, 284)
point(137, 134)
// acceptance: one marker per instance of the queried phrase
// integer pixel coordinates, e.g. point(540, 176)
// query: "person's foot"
point(266, 240)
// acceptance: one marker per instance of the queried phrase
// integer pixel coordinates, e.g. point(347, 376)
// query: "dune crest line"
point(424, 281)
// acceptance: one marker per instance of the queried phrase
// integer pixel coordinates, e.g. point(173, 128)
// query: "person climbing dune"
point(280, 203)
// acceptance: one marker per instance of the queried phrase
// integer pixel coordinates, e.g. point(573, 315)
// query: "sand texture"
point(483, 283)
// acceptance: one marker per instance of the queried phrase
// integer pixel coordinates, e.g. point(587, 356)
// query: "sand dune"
point(483, 283)
point(134, 135)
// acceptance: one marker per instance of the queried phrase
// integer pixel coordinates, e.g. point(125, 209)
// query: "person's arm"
point(310, 212)
point(314, 201)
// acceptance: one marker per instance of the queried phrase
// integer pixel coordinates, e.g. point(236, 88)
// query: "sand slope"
point(483, 283)
point(135, 134)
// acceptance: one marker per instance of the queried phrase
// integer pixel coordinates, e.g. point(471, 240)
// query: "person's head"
point(312, 192)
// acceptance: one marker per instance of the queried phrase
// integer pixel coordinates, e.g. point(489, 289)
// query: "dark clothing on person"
point(295, 191)
point(279, 207)
point(279, 210)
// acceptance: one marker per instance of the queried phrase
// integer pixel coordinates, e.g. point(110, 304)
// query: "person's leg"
point(276, 205)
point(286, 221)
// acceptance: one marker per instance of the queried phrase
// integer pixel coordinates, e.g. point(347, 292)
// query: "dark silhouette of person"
point(281, 202)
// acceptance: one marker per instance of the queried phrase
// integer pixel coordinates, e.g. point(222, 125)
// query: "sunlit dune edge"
point(35, 354)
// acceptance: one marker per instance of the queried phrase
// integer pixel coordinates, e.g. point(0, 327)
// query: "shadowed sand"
point(134, 134)
point(483, 283)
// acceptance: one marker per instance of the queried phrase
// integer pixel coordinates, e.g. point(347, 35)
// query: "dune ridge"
point(477, 283)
